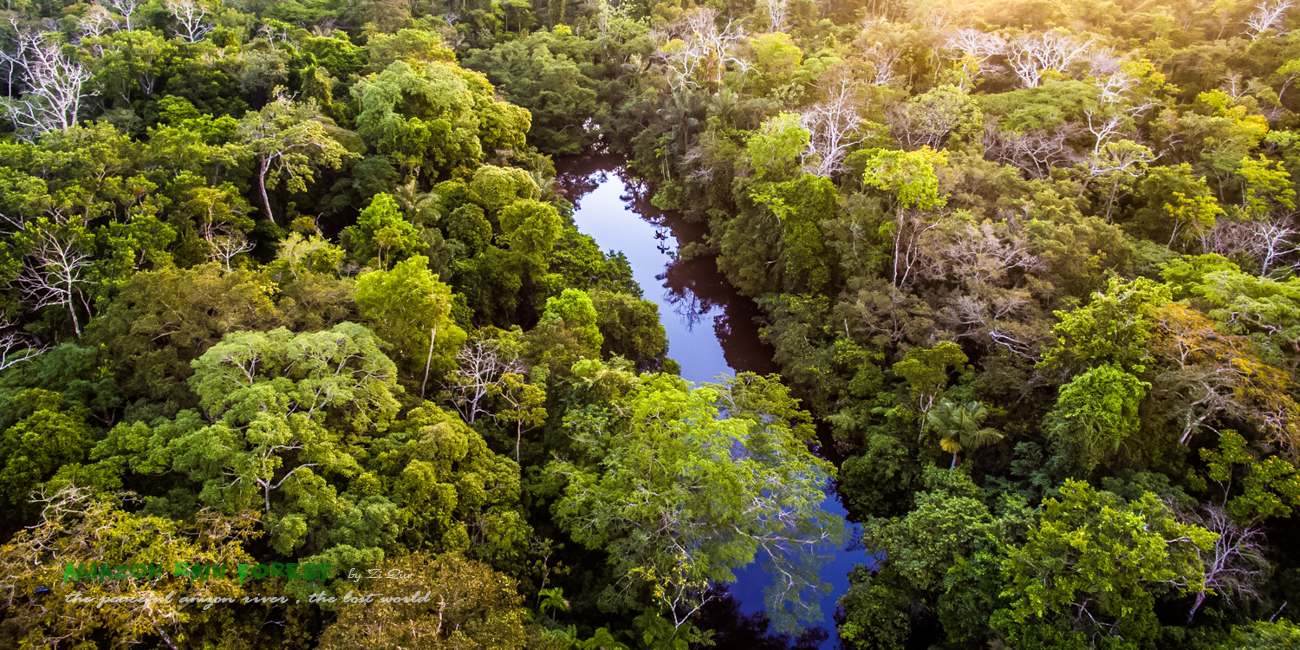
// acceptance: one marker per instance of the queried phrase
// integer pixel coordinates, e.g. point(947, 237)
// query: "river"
point(712, 330)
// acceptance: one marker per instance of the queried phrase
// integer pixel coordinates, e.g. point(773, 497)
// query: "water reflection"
point(715, 330)
point(615, 210)
point(735, 630)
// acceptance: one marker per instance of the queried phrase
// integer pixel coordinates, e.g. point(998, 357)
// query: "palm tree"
point(959, 427)
point(419, 207)
point(547, 183)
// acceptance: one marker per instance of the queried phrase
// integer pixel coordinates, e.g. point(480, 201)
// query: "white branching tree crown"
point(51, 85)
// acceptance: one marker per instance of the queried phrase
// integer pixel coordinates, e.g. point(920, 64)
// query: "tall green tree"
point(568, 330)
point(682, 496)
point(279, 420)
point(47, 437)
point(550, 75)
point(435, 119)
point(382, 234)
point(409, 307)
point(288, 142)
point(1095, 413)
point(1094, 566)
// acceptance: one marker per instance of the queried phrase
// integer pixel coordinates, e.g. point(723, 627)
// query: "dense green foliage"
point(278, 292)
point(295, 281)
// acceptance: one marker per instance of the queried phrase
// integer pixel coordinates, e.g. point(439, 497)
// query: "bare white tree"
point(226, 247)
point(1235, 565)
point(1031, 55)
point(989, 262)
point(1109, 156)
point(976, 47)
point(1234, 86)
point(53, 85)
point(54, 272)
point(717, 45)
point(274, 34)
point(833, 123)
point(480, 365)
point(1036, 151)
point(1267, 17)
point(1101, 61)
point(910, 229)
point(1273, 242)
point(1228, 236)
point(1115, 87)
point(125, 9)
point(1270, 241)
point(977, 254)
point(696, 46)
point(992, 316)
point(97, 22)
point(1289, 72)
point(191, 19)
point(680, 62)
point(1116, 162)
point(883, 58)
point(777, 12)
point(16, 346)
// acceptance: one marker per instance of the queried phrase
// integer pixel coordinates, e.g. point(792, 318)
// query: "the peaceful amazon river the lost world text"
point(650, 325)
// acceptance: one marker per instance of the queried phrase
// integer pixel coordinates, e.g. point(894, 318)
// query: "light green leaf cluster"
point(1095, 564)
point(435, 118)
point(412, 313)
point(909, 175)
point(776, 148)
point(1095, 413)
point(382, 234)
point(1111, 329)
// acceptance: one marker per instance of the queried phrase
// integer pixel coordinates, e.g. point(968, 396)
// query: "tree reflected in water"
point(696, 291)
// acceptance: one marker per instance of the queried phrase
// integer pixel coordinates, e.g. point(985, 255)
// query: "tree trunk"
point(72, 304)
point(72, 310)
point(1200, 598)
point(429, 360)
point(261, 185)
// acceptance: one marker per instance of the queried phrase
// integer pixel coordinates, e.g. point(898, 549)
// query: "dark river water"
point(712, 330)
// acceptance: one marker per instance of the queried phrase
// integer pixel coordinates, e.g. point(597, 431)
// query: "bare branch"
point(54, 272)
point(125, 8)
point(1031, 55)
point(481, 364)
point(834, 124)
point(1266, 18)
point(191, 19)
point(52, 84)
point(16, 346)
point(1235, 565)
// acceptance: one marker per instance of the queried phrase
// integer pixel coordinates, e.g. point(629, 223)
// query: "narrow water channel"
point(712, 330)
